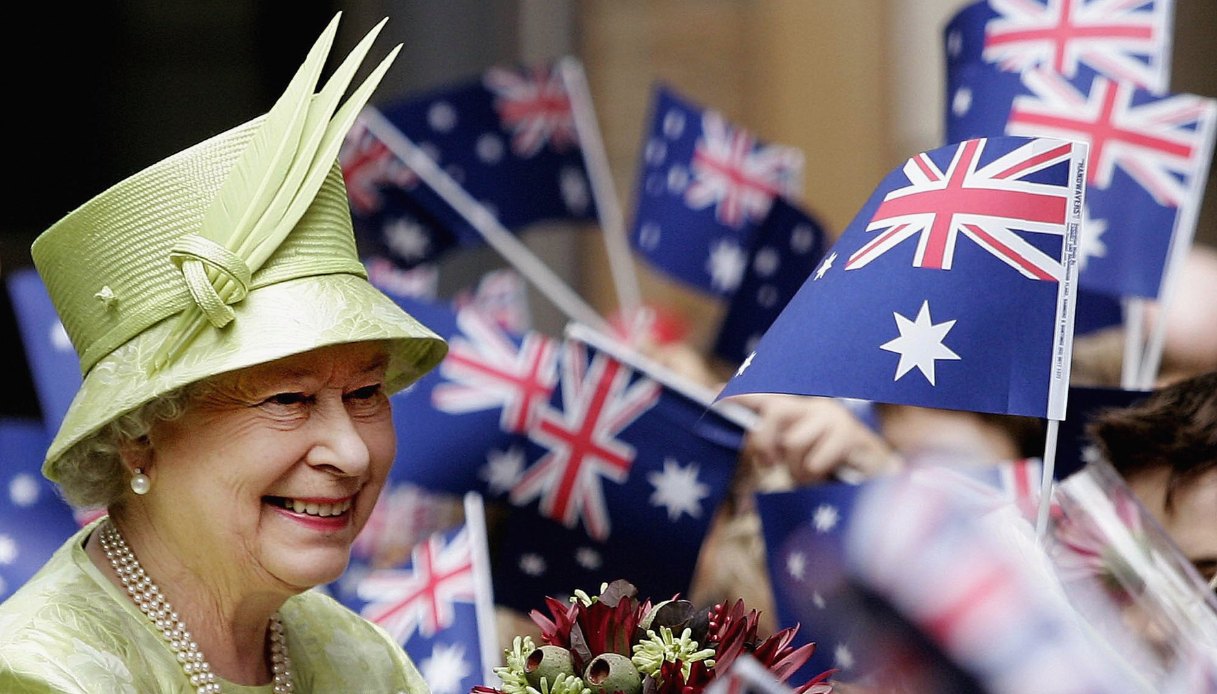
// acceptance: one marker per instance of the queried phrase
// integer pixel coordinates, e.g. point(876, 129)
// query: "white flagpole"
point(1182, 237)
point(496, 235)
point(488, 643)
point(1041, 520)
point(608, 208)
point(1134, 342)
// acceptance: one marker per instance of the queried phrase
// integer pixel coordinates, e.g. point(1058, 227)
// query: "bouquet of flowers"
point(614, 642)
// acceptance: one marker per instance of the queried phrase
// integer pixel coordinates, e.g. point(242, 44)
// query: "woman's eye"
point(365, 393)
point(286, 399)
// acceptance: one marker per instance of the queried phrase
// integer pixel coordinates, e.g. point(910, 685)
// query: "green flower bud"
point(612, 672)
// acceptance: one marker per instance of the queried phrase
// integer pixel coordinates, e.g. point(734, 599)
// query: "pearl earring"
point(140, 484)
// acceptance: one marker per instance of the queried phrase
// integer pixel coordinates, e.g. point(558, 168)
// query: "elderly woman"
point(233, 420)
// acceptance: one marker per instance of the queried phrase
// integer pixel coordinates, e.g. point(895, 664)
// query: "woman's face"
point(272, 470)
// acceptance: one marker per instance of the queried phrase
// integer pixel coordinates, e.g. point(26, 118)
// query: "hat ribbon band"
point(193, 254)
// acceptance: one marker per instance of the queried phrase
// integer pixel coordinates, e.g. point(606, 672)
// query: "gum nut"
point(548, 662)
point(612, 672)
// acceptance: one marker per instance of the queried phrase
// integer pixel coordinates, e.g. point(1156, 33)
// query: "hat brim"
point(272, 322)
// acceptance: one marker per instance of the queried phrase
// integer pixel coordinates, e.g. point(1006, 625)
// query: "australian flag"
point(623, 476)
point(463, 427)
point(34, 520)
point(1149, 159)
point(437, 605)
point(704, 187)
point(1127, 41)
point(804, 534)
point(507, 137)
point(952, 288)
point(53, 362)
point(785, 250)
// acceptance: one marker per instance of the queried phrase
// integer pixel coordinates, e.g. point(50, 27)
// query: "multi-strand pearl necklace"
point(153, 604)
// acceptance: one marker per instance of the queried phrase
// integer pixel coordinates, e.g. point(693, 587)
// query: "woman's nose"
point(339, 444)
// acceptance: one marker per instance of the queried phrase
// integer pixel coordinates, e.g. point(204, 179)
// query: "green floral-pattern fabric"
point(68, 629)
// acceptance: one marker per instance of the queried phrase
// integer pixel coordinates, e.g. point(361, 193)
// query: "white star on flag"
point(962, 102)
point(502, 469)
point(445, 668)
point(825, 518)
point(678, 489)
point(574, 190)
point(588, 558)
point(843, 657)
point(407, 238)
point(796, 565)
point(920, 343)
point(1090, 239)
point(726, 265)
point(23, 490)
point(824, 265)
point(8, 549)
point(532, 564)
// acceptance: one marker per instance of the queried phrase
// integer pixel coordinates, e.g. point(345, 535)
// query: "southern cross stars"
point(920, 343)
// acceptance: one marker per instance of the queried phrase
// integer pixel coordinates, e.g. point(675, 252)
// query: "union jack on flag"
point(985, 204)
point(438, 604)
point(505, 136)
point(1157, 142)
point(1148, 163)
point(983, 326)
point(737, 175)
point(422, 597)
point(1125, 40)
point(368, 167)
point(487, 369)
point(598, 402)
point(704, 187)
point(534, 106)
point(622, 468)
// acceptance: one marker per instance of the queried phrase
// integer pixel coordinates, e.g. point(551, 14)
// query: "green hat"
point(234, 252)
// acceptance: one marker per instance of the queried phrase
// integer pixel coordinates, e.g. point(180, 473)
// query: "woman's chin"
point(309, 569)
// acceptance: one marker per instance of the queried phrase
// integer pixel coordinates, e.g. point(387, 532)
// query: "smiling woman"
point(233, 420)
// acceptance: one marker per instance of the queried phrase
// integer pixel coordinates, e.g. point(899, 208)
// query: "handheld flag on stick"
point(481, 219)
point(704, 186)
point(624, 473)
point(1126, 41)
point(439, 605)
point(954, 287)
point(507, 137)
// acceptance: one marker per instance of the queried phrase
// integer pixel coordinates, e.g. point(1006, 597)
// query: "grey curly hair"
point(92, 474)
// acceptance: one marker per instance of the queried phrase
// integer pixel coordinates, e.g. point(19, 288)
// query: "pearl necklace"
point(153, 604)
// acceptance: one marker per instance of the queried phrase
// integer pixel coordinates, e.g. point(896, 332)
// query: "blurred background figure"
point(1190, 345)
point(1165, 447)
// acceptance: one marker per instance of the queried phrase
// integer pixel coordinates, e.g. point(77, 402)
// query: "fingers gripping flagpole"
point(495, 234)
point(608, 208)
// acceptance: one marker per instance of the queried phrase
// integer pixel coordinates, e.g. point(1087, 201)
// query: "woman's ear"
point(136, 454)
